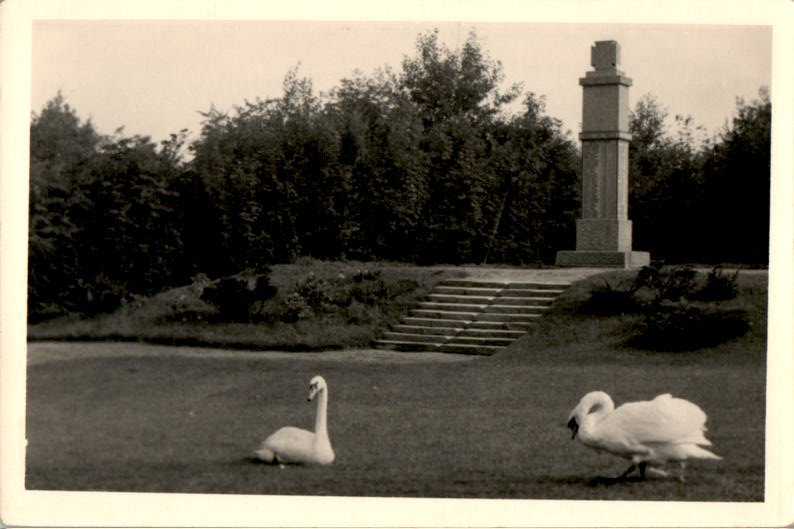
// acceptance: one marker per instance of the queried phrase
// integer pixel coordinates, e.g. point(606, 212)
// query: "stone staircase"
point(472, 316)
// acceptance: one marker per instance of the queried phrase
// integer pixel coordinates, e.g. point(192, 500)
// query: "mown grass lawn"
point(149, 418)
point(478, 427)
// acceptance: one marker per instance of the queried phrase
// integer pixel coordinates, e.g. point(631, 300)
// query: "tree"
point(696, 200)
point(61, 150)
point(103, 215)
point(538, 167)
point(737, 182)
point(379, 130)
point(457, 96)
point(666, 184)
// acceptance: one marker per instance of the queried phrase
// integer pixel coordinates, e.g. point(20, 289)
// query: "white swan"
point(299, 446)
point(648, 432)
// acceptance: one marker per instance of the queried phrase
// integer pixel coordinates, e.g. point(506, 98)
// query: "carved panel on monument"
point(591, 169)
point(622, 193)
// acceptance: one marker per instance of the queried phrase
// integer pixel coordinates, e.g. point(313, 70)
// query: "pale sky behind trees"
point(153, 77)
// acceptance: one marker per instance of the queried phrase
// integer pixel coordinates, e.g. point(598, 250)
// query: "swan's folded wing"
point(291, 444)
point(662, 420)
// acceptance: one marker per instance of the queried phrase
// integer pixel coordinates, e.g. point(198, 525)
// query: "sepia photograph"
point(330, 265)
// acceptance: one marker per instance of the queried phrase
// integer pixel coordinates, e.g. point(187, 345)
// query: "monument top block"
point(605, 59)
point(605, 55)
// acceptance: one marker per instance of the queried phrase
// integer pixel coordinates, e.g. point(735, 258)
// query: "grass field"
point(135, 417)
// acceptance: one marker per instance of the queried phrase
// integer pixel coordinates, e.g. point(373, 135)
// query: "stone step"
point(529, 293)
point(533, 285)
point(398, 345)
point(467, 291)
point(507, 317)
point(481, 340)
point(491, 333)
point(433, 322)
point(469, 283)
point(443, 314)
point(509, 300)
point(460, 299)
point(515, 309)
point(422, 329)
point(410, 337)
point(503, 325)
point(468, 307)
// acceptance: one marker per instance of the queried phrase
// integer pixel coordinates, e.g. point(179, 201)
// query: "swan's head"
point(316, 385)
point(595, 401)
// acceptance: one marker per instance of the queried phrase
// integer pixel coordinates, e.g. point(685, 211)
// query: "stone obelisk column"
point(603, 234)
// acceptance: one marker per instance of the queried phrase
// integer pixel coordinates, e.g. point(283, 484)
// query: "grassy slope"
point(479, 427)
point(157, 319)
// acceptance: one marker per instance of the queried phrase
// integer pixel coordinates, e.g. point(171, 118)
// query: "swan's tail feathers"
point(701, 453)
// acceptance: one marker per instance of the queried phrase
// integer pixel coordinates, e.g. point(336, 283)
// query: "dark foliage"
point(681, 327)
point(239, 299)
point(718, 287)
point(661, 297)
point(695, 199)
point(606, 300)
point(668, 283)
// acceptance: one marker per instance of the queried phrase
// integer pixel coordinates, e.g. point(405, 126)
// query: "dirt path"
point(45, 352)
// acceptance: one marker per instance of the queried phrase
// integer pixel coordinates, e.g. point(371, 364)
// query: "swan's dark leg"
point(612, 480)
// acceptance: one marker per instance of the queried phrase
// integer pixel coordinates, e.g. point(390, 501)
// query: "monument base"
point(599, 235)
point(602, 259)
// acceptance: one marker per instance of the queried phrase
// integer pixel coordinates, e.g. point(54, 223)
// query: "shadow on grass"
point(584, 481)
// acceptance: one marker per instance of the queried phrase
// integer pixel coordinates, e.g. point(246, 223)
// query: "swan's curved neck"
point(597, 406)
point(321, 420)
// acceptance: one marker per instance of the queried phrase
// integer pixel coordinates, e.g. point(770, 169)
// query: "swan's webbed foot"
point(658, 472)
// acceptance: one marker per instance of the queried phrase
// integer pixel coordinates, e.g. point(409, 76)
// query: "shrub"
point(681, 327)
point(315, 292)
point(608, 301)
point(370, 292)
point(718, 286)
point(295, 308)
point(358, 314)
point(102, 295)
point(239, 299)
point(669, 283)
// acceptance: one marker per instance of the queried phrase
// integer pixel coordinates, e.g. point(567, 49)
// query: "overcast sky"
point(153, 77)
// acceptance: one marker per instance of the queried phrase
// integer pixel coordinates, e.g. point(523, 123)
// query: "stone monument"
point(603, 234)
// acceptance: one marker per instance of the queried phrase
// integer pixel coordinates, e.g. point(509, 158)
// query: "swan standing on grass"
point(298, 446)
point(648, 432)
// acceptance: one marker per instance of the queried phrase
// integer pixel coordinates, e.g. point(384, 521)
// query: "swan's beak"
point(574, 426)
point(312, 393)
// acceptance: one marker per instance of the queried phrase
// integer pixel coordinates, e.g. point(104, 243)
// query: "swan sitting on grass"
point(290, 445)
point(648, 432)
